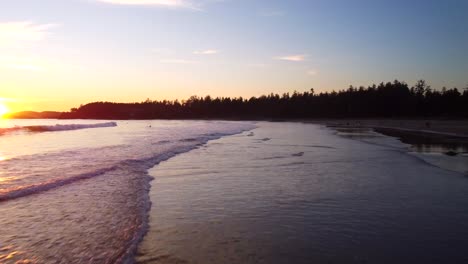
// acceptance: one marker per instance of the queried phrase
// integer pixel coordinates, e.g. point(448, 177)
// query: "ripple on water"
point(351, 202)
point(94, 207)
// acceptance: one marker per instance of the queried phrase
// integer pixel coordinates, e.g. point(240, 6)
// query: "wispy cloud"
point(161, 3)
point(206, 52)
point(178, 61)
point(311, 72)
point(18, 33)
point(15, 39)
point(294, 58)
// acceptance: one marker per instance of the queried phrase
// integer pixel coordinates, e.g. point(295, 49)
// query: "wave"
point(132, 165)
point(137, 162)
point(18, 192)
point(299, 154)
point(57, 127)
point(130, 160)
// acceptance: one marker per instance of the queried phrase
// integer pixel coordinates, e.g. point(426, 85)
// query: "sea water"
point(303, 193)
point(77, 191)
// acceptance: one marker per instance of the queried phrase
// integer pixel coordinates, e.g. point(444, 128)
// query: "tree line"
point(386, 100)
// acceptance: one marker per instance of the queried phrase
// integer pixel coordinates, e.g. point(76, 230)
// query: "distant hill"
point(34, 115)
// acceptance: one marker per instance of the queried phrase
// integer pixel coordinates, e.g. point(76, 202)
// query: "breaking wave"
point(8, 194)
point(115, 176)
point(53, 128)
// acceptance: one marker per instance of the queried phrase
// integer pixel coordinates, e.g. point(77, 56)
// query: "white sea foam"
point(57, 127)
point(75, 178)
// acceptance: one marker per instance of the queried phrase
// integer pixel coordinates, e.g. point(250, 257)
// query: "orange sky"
point(52, 57)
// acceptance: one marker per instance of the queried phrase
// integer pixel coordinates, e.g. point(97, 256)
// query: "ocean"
point(77, 192)
point(88, 191)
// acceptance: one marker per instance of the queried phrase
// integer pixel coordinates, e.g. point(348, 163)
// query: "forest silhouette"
point(387, 100)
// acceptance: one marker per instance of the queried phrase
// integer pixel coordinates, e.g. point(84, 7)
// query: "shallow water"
point(281, 193)
point(81, 195)
point(300, 193)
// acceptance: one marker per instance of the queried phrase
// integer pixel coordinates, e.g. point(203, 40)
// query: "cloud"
point(205, 52)
point(294, 58)
point(311, 72)
point(177, 61)
point(161, 3)
point(15, 39)
point(18, 33)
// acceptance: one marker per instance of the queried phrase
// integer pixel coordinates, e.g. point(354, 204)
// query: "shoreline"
point(423, 127)
point(449, 137)
point(413, 131)
point(444, 150)
point(245, 222)
point(456, 127)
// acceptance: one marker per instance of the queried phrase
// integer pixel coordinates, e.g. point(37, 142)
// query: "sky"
point(58, 54)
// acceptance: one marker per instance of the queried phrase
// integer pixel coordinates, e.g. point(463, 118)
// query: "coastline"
point(443, 136)
point(440, 147)
point(457, 127)
point(411, 130)
point(428, 127)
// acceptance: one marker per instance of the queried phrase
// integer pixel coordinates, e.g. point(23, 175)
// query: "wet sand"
point(443, 136)
point(444, 150)
point(303, 193)
point(455, 128)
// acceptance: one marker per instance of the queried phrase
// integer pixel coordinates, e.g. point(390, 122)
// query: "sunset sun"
point(3, 110)
point(233, 131)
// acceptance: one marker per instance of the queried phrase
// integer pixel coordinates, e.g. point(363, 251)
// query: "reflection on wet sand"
point(10, 254)
point(289, 201)
point(445, 151)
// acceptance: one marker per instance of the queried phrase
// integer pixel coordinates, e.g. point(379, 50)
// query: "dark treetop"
point(386, 100)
